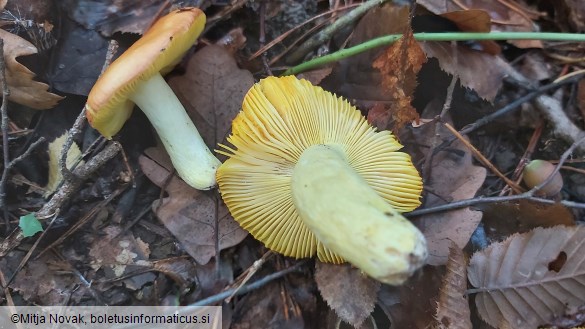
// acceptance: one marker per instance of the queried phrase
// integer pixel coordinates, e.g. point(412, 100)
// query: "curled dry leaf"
point(528, 279)
point(355, 78)
point(453, 306)
point(399, 65)
point(347, 290)
point(190, 215)
point(23, 89)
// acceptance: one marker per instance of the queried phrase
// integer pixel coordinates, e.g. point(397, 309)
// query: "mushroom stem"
point(351, 219)
point(194, 163)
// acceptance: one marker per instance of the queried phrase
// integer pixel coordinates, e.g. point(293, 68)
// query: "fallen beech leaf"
point(502, 219)
point(466, 63)
point(474, 20)
point(190, 214)
point(516, 20)
point(453, 306)
point(212, 90)
point(453, 177)
point(528, 279)
point(23, 89)
point(347, 290)
point(355, 78)
point(40, 282)
point(315, 76)
point(399, 65)
point(413, 304)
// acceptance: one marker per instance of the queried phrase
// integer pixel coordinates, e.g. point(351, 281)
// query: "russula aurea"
point(135, 78)
point(536, 172)
point(308, 175)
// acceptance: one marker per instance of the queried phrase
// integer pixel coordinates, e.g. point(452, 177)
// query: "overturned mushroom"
point(308, 175)
point(135, 78)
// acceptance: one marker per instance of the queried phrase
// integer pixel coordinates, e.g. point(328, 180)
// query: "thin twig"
point(262, 39)
point(529, 195)
point(326, 34)
point(4, 127)
point(287, 33)
point(481, 158)
point(64, 193)
point(511, 107)
point(73, 132)
point(247, 288)
point(79, 123)
point(249, 273)
point(82, 221)
point(427, 166)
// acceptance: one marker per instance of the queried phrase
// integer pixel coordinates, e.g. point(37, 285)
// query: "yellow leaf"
point(73, 158)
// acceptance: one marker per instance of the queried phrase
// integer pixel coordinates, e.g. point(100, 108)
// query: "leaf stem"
point(442, 36)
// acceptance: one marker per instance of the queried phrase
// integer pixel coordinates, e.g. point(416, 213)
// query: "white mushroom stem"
point(194, 163)
point(351, 219)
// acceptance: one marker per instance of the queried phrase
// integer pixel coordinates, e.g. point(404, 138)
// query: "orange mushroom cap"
point(158, 50)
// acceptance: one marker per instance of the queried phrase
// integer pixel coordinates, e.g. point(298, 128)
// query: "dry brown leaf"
point(453, 177)
point(188, 213)
point(212, 90)
point(530, 278)
point(41, 282)
point(515, 20)
point(275, 306)
point(413, 304)
point(315, 76)
point(502, 219)
point(474, 20)
point(466, 63)
point(23, 89)
point(453, 306)
point(347, 290)
point(575, 10)
point(354, 77)
point(399, 66)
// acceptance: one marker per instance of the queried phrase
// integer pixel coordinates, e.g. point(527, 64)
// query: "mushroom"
point(135, 78)
point(308, 175)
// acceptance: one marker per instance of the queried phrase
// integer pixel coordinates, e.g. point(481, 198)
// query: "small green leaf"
point(30, 225)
